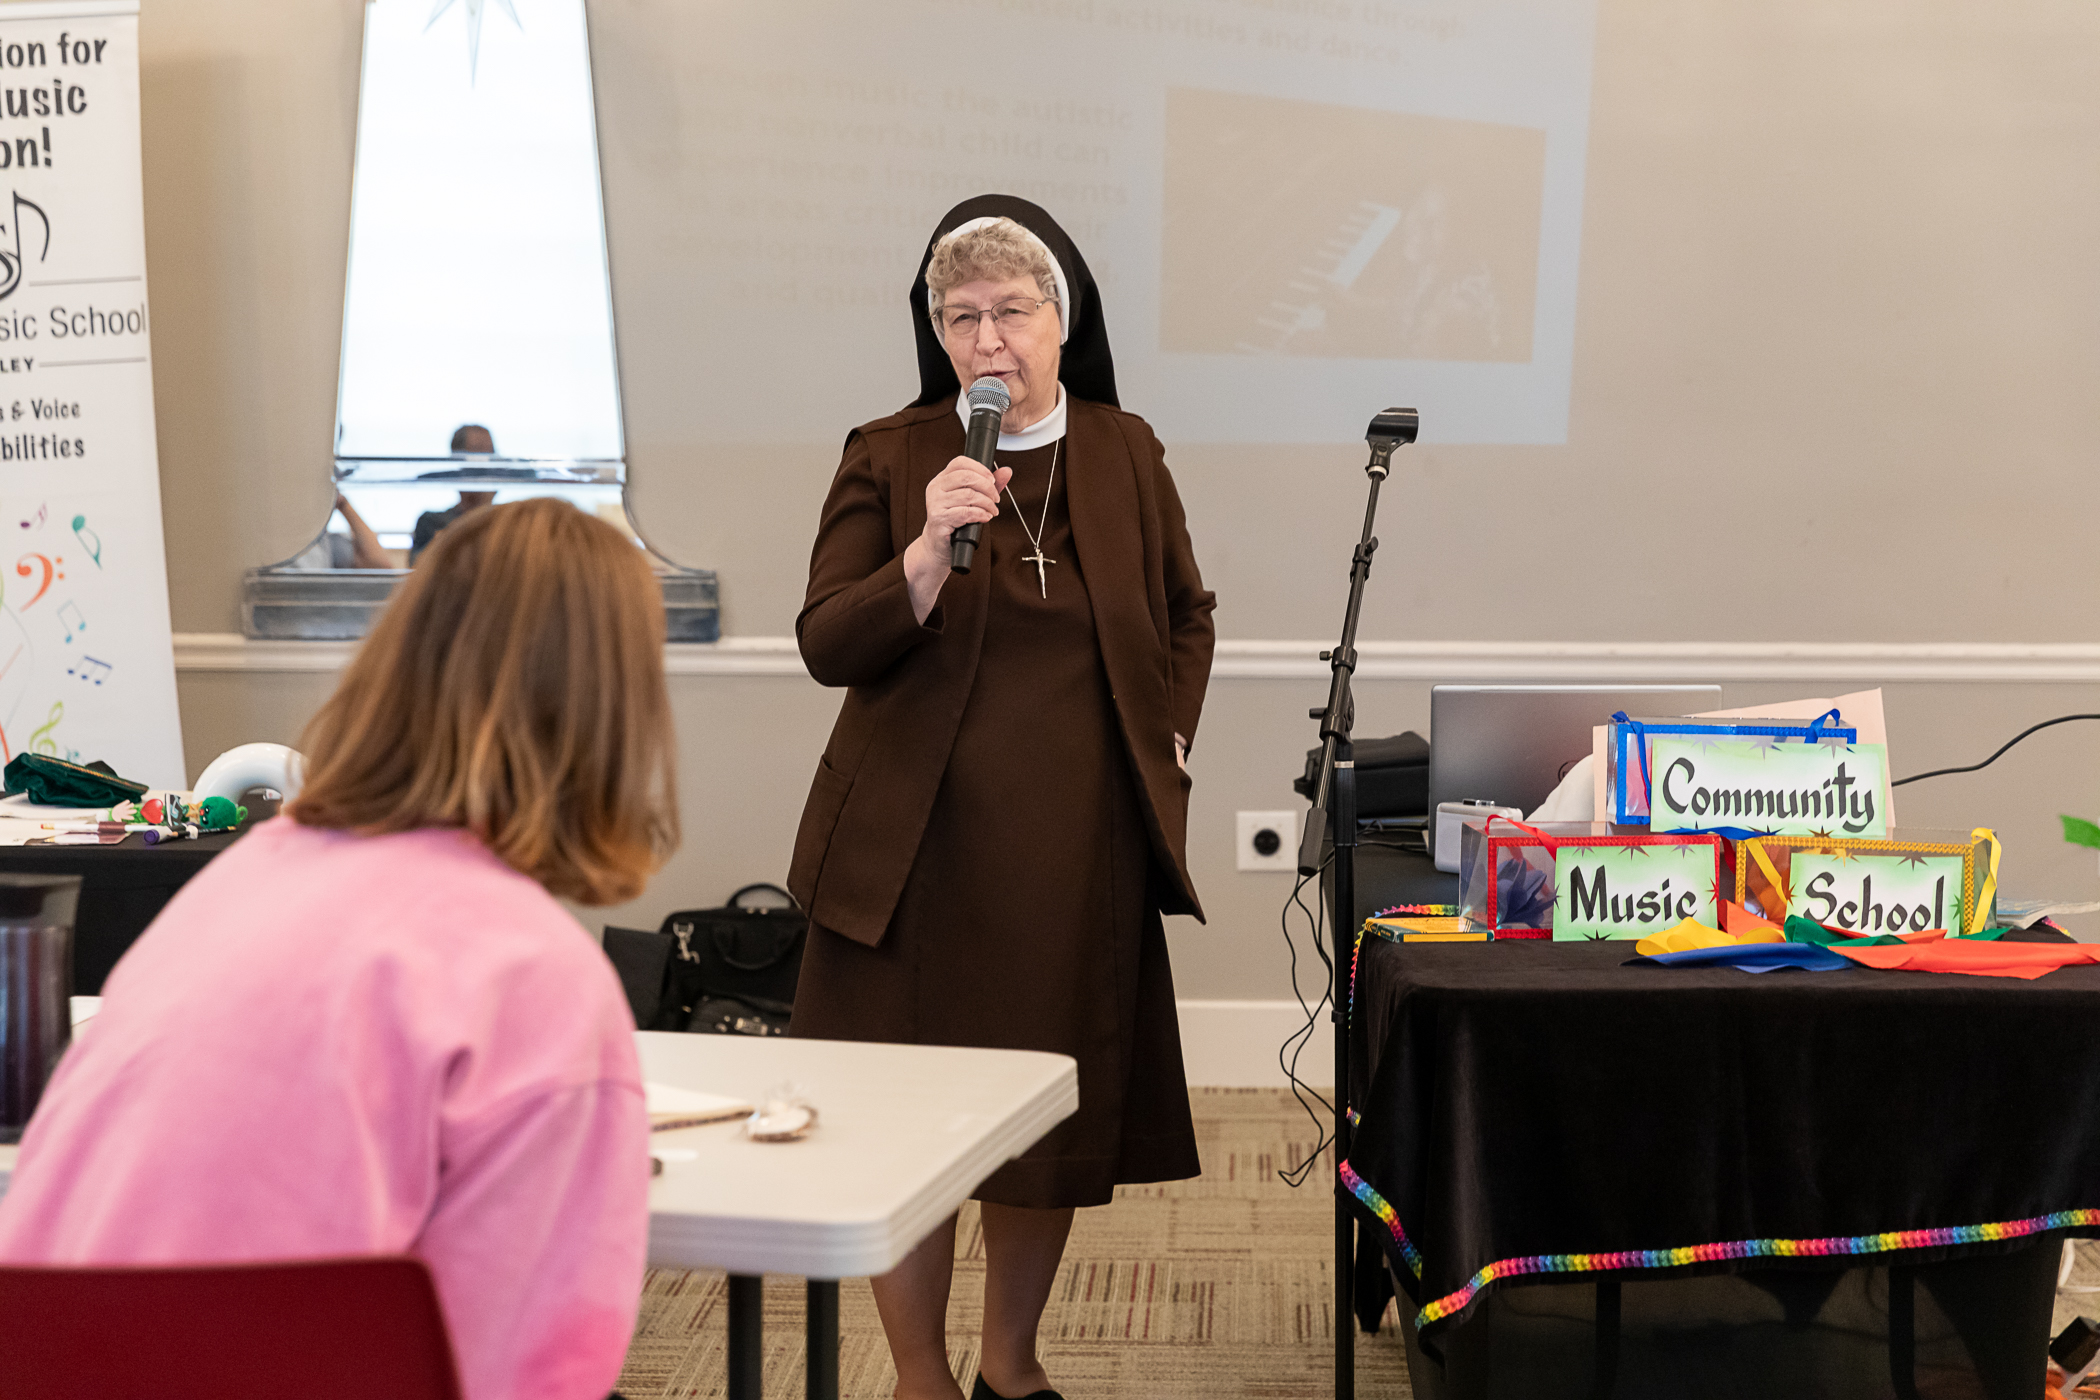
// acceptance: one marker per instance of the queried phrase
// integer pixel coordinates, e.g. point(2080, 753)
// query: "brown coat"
point(908, 683)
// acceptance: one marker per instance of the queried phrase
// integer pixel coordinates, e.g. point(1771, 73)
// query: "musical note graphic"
point(89, 540)
point(15, 260)
point(39, 738)
point(51, 571)
point(74, 624)
point(38, 519)
point(89, 669)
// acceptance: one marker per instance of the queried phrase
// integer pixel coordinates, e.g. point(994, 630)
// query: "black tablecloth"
point(123, 887)
point(1526, 1104)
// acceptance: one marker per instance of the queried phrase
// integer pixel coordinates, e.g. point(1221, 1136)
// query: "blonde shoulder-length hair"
point(512, 687)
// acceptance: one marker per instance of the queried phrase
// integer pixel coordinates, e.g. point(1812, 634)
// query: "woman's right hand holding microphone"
point(965, 492)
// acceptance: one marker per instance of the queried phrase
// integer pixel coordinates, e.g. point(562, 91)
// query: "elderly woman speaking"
point(997, 823)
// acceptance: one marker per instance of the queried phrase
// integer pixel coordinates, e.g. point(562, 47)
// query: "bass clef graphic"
point(13, 254)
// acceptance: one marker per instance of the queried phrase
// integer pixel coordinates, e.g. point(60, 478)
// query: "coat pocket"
point(820, 817)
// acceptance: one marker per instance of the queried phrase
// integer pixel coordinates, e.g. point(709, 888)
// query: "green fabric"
point(57, 783)
point(1800, 930)
point(2080, 832)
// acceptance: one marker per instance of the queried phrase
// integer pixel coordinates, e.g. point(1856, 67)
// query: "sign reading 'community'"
point(1764, 785)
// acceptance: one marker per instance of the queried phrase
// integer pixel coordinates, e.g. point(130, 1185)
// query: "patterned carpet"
point(1217, 1287)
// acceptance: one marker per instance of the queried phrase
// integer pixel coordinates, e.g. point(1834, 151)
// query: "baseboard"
point(1233, 1044)
point(1244, 660)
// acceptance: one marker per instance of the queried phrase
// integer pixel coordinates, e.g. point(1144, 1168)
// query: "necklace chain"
point(1035, 536)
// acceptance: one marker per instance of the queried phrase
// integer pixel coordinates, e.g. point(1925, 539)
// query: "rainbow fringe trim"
point(1387, 1216)
point(1451, 1303)
point(1356, 952)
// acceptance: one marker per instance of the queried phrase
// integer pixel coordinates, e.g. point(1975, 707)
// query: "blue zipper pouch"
point(1628, 750)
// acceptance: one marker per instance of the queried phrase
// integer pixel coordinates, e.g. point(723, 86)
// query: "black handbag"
point(1392, 776)
point(726, 971)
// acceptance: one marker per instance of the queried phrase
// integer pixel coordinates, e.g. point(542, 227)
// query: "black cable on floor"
point(1943, 772)
point(1294, 1044)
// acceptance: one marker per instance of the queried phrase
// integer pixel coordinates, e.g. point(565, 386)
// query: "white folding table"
point(904, 1134)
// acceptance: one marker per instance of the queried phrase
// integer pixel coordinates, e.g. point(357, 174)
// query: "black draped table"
point(1537, 1113)
point(123, 887)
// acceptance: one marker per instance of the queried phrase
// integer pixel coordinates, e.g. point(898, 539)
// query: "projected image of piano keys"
point(1300, 228)
point(1357, 242)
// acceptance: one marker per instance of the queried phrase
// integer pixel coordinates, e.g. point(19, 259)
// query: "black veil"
point(1086, 370)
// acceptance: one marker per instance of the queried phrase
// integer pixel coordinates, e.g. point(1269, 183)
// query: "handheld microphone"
point(988, 404)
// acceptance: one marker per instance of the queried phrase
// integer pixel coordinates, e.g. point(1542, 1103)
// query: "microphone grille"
point(990, 392)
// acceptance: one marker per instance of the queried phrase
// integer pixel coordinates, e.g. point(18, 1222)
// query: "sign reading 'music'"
point(1784, 789)
point(1878, 894)
point(1631, 891)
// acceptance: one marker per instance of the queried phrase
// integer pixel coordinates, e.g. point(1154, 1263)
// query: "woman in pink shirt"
point(368, 1028)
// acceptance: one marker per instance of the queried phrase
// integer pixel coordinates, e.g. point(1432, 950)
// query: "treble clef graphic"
point(38, 742)
point(12, 254)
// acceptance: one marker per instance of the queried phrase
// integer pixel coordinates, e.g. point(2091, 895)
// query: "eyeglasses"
point(959, 323)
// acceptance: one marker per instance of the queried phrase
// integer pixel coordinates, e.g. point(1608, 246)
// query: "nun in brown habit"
point(997, 822)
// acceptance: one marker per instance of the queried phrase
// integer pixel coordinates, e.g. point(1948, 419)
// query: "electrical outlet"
point(1268, 841)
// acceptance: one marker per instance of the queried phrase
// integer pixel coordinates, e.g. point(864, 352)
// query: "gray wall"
point(1835, 343)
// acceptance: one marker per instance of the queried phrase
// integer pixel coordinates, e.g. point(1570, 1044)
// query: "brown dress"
point(1028, 919)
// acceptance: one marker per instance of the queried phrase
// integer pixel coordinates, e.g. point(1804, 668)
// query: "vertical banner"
point(87, 665)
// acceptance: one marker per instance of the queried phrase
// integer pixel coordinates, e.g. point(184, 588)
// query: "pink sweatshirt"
point(334, 1045)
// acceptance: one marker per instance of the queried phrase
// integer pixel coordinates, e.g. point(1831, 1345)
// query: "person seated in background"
point(358, 549)
point(471, 439)
point(368, 1028)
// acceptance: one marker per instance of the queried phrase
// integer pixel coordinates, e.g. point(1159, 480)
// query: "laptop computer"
point(1511, 744)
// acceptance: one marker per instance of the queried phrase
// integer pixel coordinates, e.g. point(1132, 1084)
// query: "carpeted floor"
point(1218, 1287)
point(2079, 1293)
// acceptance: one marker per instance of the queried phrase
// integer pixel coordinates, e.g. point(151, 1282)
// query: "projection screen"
point(1295, 207)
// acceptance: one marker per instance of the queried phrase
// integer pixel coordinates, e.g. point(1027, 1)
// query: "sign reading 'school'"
point(1878, 894)
point(1631, 891)
point(1785, 789)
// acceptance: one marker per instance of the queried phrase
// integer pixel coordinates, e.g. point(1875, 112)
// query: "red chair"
point(325, 1329)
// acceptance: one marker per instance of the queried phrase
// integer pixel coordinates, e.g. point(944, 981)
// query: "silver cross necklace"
point(1035, 536)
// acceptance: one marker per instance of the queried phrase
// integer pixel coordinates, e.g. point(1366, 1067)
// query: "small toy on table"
point(175, 818)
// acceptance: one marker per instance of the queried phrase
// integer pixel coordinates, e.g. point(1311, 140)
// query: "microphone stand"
point(1334, 808)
